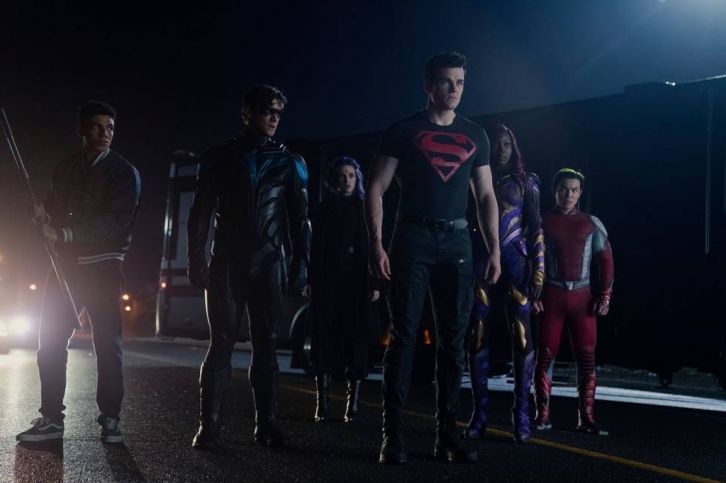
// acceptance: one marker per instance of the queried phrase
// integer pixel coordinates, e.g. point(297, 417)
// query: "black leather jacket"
point(260, 197)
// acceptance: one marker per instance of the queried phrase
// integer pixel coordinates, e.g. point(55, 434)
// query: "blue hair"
point(338, 163)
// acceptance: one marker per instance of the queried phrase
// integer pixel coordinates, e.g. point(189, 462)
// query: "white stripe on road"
point(618, 394)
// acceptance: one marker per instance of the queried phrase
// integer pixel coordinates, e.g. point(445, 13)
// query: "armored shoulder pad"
point(300, 167)
point(598, 225)
point(534, 179)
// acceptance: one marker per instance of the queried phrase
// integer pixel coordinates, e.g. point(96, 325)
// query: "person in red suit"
point(573, 242)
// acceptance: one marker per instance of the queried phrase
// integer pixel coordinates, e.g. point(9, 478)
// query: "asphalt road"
point(646, 443)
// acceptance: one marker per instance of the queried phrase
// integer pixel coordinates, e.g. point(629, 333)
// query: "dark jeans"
point(442, 259)
point(97, 287)
point(232, 288)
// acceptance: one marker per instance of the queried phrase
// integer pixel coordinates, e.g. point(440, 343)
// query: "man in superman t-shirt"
point(435, 155)
point(435, 164)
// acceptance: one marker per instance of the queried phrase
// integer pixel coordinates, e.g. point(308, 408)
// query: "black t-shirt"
point(435, 164)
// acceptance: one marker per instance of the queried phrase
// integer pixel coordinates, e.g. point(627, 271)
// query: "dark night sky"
point(176, 75)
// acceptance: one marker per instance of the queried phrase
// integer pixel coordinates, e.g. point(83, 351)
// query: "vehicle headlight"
point(19, 325)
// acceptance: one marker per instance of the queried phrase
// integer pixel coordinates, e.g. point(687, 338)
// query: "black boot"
point(267, 432)
point(212, 386)
point(449, 447)
point(351, 408)
point(393, 451)
point(321, 398)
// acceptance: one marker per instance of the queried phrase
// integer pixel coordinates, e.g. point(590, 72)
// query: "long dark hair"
point(516, 160)
point(338, 163)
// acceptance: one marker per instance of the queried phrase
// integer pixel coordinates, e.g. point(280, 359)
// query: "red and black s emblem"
point(445, 151)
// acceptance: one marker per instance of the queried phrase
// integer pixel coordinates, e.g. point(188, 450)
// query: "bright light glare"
point(127, 308)
point(20, 325)
point(32, 286)
point(163, 284)
point(125, 296)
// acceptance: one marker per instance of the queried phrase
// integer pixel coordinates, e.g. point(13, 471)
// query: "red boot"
point(542, 391)
point(586, 412)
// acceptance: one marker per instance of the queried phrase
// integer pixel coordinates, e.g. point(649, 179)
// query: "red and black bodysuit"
point(572, 243)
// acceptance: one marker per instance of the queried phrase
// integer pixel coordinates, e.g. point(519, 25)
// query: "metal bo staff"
point(55, 263)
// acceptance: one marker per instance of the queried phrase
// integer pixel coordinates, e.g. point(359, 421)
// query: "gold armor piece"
point(538, 277)
point(481, 295)
point(518, 296)
point(519, 333)
point(478, 334)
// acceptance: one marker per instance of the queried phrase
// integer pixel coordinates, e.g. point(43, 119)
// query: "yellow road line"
point(623, 461)
point(551, 444)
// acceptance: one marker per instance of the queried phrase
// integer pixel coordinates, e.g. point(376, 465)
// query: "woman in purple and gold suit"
point(522, 258)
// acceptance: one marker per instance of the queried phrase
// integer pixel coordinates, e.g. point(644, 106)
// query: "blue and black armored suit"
point(258, 194)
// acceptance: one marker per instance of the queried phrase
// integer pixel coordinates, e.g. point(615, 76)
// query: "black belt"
point(436, 225)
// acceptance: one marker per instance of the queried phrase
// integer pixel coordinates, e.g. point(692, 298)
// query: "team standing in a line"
point(256, 190)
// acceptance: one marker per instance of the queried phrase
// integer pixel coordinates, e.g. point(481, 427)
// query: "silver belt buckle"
point(570, 286)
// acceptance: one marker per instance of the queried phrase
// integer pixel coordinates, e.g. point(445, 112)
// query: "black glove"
point(198, 271)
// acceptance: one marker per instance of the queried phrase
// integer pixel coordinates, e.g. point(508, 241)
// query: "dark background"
point(176, 75)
